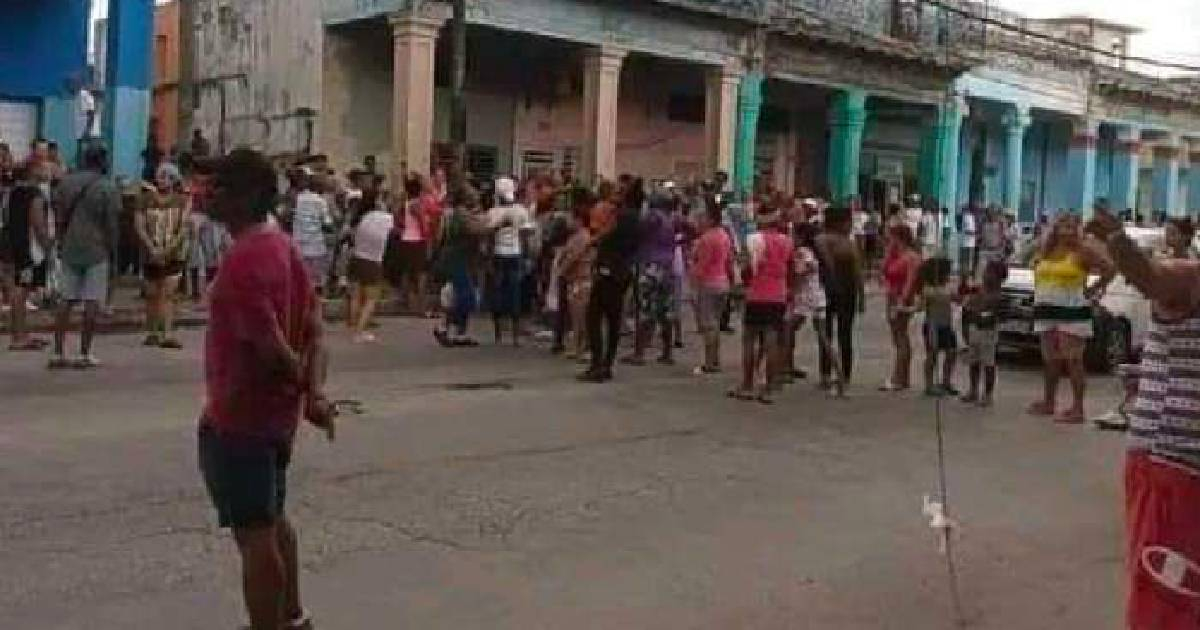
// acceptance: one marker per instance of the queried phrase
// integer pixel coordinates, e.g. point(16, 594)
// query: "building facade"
point(164, 117)
point(872, 99)
point(43, 64)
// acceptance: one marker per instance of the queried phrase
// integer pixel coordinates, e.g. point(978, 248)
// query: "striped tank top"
point(1165, 420)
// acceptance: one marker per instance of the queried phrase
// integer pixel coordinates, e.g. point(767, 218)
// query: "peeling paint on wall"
point(264, 57)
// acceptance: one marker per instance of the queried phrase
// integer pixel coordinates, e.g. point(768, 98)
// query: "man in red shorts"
point(264, 368)
point(1162, 469)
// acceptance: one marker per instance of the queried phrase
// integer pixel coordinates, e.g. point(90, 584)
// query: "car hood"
point(1019, 280)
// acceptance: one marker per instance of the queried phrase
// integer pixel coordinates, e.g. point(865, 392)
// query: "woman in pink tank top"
point(768, 275)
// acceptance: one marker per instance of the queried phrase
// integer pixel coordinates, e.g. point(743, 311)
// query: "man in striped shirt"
point(1162, 470)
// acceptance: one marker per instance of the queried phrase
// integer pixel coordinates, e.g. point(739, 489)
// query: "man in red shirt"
point(264, 369)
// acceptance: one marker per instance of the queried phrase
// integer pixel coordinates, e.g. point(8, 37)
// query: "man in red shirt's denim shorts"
point(264, 368)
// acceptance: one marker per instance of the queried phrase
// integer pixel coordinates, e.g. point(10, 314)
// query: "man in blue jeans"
point(87, 209)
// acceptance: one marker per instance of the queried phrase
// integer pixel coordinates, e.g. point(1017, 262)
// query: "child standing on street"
point(937, 300)
point(980, 314)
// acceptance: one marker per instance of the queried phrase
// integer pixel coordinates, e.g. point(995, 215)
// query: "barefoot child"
point(979, 316)
point(937, 300)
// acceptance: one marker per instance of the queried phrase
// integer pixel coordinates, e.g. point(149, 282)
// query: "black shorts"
point(764, 314)
point(246, 481)
point(940, 337)
point(404, 259)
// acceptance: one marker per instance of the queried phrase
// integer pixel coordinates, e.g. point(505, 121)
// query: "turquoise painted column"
point(750, 99)
point(847, 121)
point(127, 99)
point(948, 143)
point(1166, 177)
point(1127, 167)
point(1194, 182)
point(1016, 123)
point(1081, 166)
point(968, 140)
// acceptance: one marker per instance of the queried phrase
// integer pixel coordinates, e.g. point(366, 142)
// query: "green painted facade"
point(848, 120)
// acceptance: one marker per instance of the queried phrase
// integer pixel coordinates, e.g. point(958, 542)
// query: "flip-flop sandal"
point(60, 363)
point(28, 346)
point(1039, 409)
point(740, 394)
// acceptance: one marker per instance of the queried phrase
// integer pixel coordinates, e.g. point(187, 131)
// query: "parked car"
point(1121, 318)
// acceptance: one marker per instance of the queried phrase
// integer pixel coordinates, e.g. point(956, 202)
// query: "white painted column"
point(601, 88)
point(720, 118)
point(414, 36)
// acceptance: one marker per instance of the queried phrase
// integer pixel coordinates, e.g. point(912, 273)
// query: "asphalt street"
point(485, 488)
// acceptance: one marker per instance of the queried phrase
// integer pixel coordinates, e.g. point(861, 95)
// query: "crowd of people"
point(582, 267)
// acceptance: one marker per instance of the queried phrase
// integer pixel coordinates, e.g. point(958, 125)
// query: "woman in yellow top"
point(1063, 302)
point(161, 227)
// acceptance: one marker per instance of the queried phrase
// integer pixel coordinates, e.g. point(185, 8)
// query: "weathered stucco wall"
point(267, 56)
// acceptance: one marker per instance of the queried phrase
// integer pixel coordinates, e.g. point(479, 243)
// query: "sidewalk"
point(126, 313)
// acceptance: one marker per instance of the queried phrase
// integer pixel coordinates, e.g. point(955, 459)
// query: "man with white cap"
point(511, 226)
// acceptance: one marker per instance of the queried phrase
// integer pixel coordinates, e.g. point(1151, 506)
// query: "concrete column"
point(414, 42)
point(750, 98)
point(720, 118)
point(969, 139)
point(1016, 123)
point(1127, 162)
point(126, 115)
point(847, 121)
point(1081, 166)
point(1194, 181)
point(1166, 177)
point(946, 143)
point(601, 89)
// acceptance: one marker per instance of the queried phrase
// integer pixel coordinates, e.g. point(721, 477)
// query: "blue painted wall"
point(1045, 167)
point(43, 43)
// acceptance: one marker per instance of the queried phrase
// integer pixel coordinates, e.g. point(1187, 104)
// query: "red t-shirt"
point(771, 253)
point(712, 253)
point(262, 284)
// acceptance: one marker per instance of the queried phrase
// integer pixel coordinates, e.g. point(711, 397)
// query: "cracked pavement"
point(653, 503)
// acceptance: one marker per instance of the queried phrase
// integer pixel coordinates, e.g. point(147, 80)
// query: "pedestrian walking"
point(1162, 465)
point(512, 228)
point(768, 272)
point(614, 221)
point(843, 289)
point(980, 316)
point(88, 209)
point(1063, 300)
point(901, 262)
point(577, 259)
point(312, 222)
point(935, 296)
point(712, 271)
point(23, 252)
point(161, 225)
point(656, 285)
point(365, 269)
point(462, 229)
point(264, 370)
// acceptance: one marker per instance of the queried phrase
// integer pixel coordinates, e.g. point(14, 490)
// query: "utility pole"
point(187, 71)
point(458, 106)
